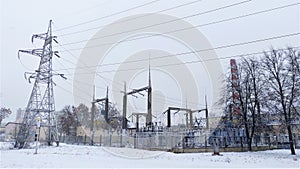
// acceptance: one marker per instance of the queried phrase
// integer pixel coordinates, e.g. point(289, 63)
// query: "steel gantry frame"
point(148, 89)
point(189, 112)
point(106, 102)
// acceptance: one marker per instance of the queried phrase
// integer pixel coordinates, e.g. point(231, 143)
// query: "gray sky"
point(20, 19)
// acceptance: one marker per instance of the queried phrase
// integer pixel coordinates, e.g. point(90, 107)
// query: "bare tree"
point(252, 86)
point(237, 99)
point(247, 113)
point(4, 113)
point(83, 114)
point(114, 118)
point(68, 118)
point(281, 69)
point(243, 98)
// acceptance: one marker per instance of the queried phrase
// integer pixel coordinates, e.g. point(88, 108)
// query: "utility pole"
point(149, 106)
point(106, 106)
point(206, 113)
point(124, 121)
point(93, 117)
point(41, 101)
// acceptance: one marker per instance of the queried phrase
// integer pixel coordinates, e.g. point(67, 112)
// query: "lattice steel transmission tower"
point(41, 101)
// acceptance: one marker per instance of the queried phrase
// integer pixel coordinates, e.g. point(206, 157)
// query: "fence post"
point(134, 141)
point(205, 142)
point(121, 139)
point(172, 141)
point(100, 142)
point(241, 139)
point(110, 137)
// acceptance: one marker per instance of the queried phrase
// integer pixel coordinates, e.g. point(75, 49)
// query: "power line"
point(83, 10)
point(161, 23)
point(191, 62)
point(193, 103)
point(72, 93)
point(107, 16)
point(173, 31)
point(197, 51)
point(130, 19)
point(83, 63)
point(87, 84)
point(169, 99)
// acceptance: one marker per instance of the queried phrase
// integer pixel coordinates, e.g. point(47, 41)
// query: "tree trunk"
point(249, 142)
point(291, 139)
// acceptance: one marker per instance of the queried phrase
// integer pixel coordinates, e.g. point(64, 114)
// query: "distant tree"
point(83, 114)
point(68, 118)
point(281, 69)
point(114, 118)
point(4, 113)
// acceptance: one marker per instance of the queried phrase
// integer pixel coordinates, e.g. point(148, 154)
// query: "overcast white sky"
point(20, 19)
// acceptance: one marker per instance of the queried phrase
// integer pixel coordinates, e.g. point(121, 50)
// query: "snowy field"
point(74, 156)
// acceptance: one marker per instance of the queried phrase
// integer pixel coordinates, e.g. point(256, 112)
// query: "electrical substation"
point(142, 130)
point(39, 117)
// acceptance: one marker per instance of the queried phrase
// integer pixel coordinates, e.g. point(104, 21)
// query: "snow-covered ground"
point(74, 156)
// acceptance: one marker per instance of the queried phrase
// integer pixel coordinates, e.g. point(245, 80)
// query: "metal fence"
point(170, 140)
point(166, 140)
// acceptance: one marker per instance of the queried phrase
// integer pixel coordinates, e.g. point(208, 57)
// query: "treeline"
point(266, 87)
point(71, 117)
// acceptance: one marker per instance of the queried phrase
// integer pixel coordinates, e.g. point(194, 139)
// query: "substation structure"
point(39, 117)
point(152, 134)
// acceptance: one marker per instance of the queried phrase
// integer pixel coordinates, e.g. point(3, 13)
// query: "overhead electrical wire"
point(190, 62)
point(173, 31)
point(83, 63)
point(201, 50)
point(61, 87)
point(160, 11)
point(130, 19)
point(241, 55)
point(107, 16)
point(168, 99)
point(178, 100)
point(228, 20)
point(162, 23)
point(175, 101)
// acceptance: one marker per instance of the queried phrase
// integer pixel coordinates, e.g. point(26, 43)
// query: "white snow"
point(75, 156)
